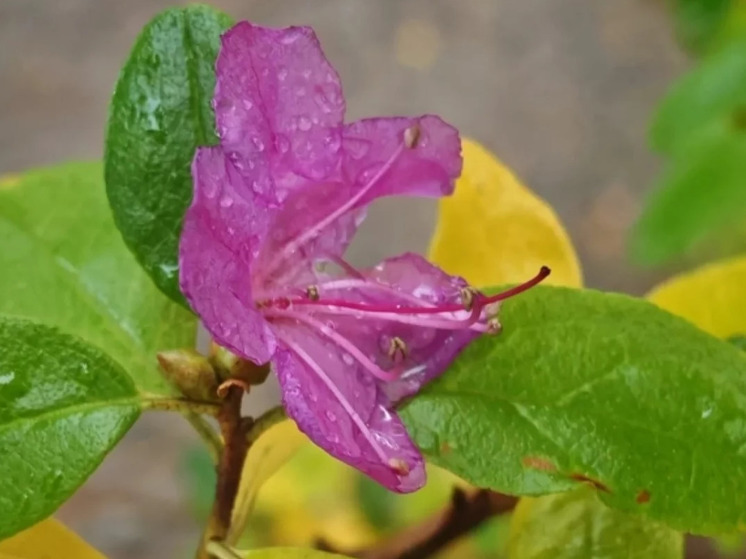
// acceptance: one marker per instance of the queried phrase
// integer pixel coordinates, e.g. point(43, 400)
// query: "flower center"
point(475, 311)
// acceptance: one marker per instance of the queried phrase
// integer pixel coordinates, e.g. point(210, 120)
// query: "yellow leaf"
point(494, 230)
point(9, 181)
point(712, 297)
point(275, 447)
point(48, 539)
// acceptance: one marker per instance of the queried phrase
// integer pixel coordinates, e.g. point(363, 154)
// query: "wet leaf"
point(159, 114)
point(71, 269)
point(596, 388)
point(576, 525)
point(273, 449)
point(47, 540)
point(64, 406)
point(494, 230)
point(713, 297)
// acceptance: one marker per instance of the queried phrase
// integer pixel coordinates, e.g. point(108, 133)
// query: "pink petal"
point(223, 229)
point(325, 215)
point(278, 95)
point(342, 410)
point(429, 168)
point(430, 349)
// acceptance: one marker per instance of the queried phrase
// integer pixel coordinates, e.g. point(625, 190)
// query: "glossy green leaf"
point(702, 191)
point(590, 387)
point(65, 264)
point(576, 525)
point(159, 114)
point(64, 405)
point(714, 91)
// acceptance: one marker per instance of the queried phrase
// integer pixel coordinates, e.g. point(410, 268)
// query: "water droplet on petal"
point(330, 415)
point(282, 143)
point(258, 143)
point(347, 358)
point(304, 123)
point(226, 201)
point(282, 73)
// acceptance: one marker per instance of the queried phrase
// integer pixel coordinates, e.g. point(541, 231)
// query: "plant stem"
point(465, 512)
point(207, 433)
point(181, 405)
point(230, 466)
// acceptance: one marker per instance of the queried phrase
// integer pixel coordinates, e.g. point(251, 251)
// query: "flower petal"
point(223, 229)
point(318, 220)
point(405, 280)
point(428, 168)
point(341, 408)
point(278, 95)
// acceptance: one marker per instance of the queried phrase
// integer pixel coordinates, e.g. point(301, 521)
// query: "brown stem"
point(465, 512)
point(230, 465)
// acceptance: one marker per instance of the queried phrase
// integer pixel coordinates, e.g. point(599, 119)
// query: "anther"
point(397, 349)
point(399, 466)
point(412, 136)
point(467, 297)
point(312, 292)
point(493, 326)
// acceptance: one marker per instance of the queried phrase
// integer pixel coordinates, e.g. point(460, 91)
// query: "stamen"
point(493, 326)
point(481, 301)
point(312, 292)
point(467, 297)
point(399, 466)
point(342, 342)
point(397, 349)
point(412, 136)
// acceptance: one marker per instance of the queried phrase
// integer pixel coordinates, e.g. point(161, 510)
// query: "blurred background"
point(562, 92)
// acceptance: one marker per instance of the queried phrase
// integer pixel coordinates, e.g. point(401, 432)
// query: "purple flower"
point(275, 206)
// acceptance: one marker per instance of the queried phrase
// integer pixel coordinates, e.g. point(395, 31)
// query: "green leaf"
point(739, 341)
point(599, 388)
point(71, 269)
point(576, 525)
point(702, 191)
point(698, 22)
point(159, 114)
point(64, 405)
point(714, 91)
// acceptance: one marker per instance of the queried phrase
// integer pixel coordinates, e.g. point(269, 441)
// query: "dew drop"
point(282, 73)
point(330, 415)
point(226, 201)
point(258, 143)
point(347, 358)
point(304, 123)
point(282, 143)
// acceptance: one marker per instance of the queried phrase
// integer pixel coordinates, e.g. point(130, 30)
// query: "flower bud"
point(191, 373)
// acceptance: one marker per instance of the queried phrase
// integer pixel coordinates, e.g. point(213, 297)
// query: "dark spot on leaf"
point(594, 482)
point(643, 497)
point(539, 463)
